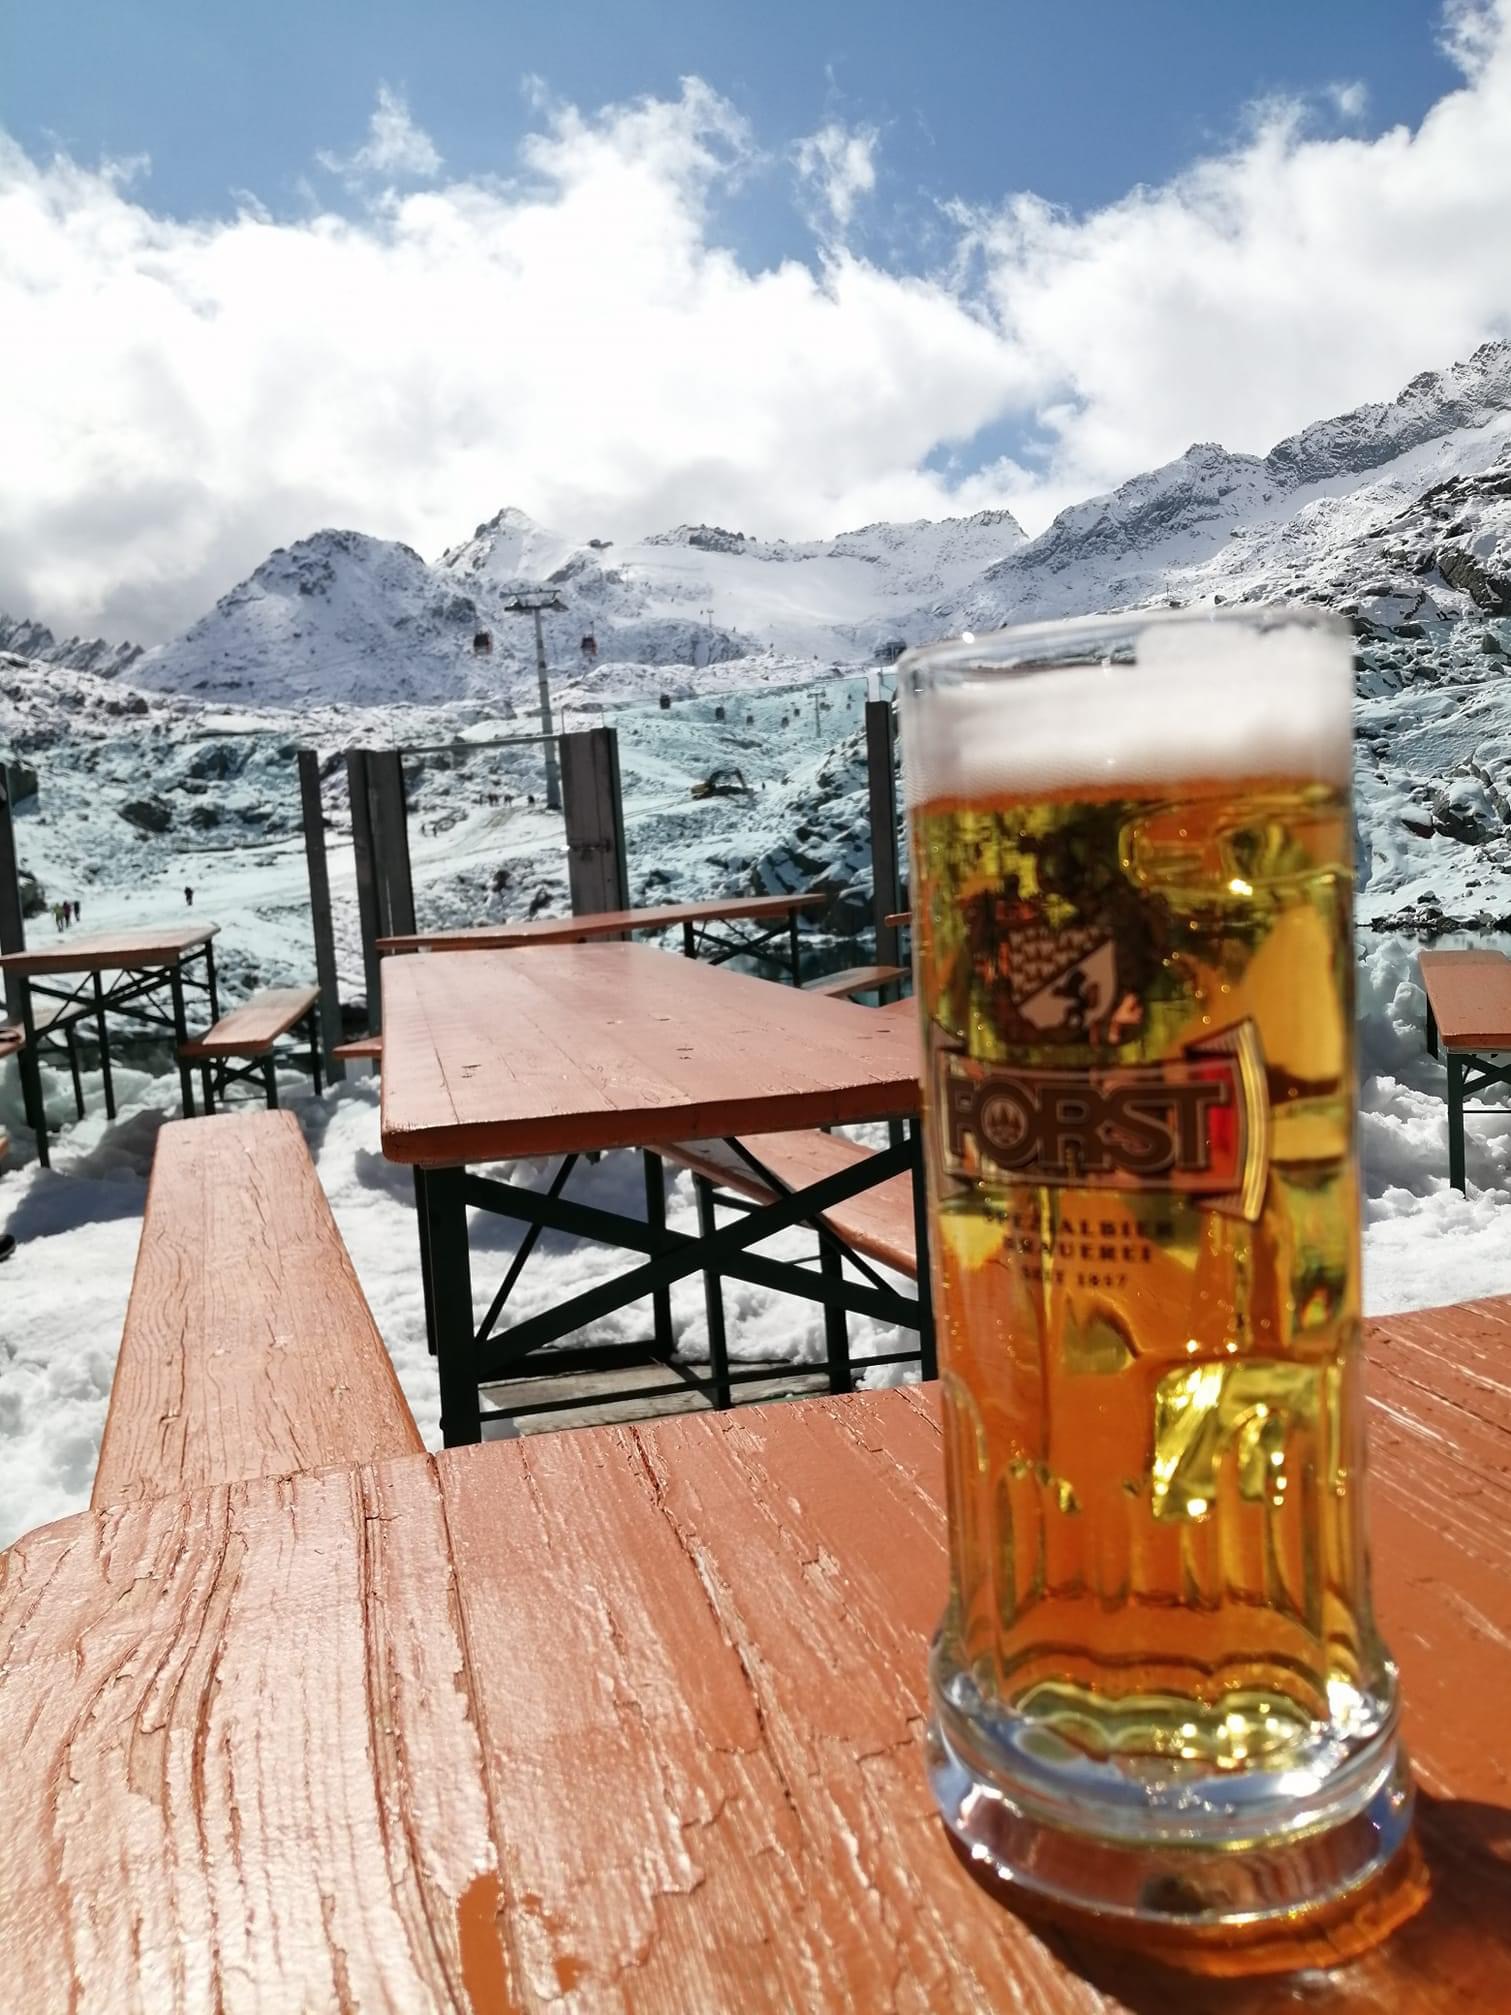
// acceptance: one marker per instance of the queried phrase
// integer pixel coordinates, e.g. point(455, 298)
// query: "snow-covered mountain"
point(26, 639)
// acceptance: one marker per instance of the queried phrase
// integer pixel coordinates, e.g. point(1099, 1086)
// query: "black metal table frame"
point(89, 999)
point(470, 1355)
point(1460, 1063)
point(697, 937)
point(218, 1073)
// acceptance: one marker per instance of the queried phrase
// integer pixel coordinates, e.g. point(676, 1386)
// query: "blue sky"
point(791, 269)
point(1074, 99)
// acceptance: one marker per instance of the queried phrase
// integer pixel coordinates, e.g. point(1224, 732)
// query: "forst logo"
point(1195, 1124)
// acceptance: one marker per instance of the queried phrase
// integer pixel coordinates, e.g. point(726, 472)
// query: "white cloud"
point(1351, 100)
point(580, 341)
point(838, 163)
point(395, 149)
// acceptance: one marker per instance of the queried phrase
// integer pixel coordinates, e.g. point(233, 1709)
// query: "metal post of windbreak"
point(368, 918)
point(593, 804)
point(553, 781)
point(390, 838)
point(320, 910)
point(881, 774)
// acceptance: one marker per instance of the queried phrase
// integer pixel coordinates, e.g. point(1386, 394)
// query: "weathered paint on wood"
point(253, 1028)
point(112, 951)
point(249, 1349)
point(630, 1719)
point(241, 1768)
point(606, 924)
point(494, 1056)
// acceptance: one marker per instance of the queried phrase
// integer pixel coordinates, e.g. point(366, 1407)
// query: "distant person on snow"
point(189, 898)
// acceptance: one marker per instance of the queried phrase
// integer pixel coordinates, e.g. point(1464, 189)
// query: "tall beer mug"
point(1158, 1689)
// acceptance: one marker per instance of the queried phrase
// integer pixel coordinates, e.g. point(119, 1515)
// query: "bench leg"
point(836, 1324)
point(426, 1287)
point(103, 1036)
point(270, 1083)
point(443, 1210)
point(70, 1038)
point(713, 1299)
point(794, 949)
point(928, 1356)
point(1432, 1031)
point(1457, 1066)
point(655, 1217)
point(207, 1086)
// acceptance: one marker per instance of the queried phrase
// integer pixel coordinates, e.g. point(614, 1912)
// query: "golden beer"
point(1137, 1004)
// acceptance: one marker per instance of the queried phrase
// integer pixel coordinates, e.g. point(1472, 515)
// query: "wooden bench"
point(1468, 1024)
point(252, 1031)
point(857, 980)
point(249, 1349)
point(361, 1049)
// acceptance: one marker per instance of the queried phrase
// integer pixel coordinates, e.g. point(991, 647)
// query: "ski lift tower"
point(533, 602)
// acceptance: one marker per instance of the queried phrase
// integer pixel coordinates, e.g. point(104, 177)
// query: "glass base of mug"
point(1191, 1884)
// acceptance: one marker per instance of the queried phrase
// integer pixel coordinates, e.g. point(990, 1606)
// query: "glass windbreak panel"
point(751, 793)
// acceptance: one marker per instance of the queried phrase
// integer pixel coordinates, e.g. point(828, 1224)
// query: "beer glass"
point(1158, 1689)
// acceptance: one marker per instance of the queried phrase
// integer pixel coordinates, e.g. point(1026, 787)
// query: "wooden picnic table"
point(581, 1048)
point(142, 963)
point(632, 1719)
point(768, 914)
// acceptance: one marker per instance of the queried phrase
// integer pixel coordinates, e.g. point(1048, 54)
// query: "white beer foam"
point(1202, 700)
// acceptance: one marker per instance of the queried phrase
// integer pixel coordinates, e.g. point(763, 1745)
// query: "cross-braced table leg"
point(180, 1037)
point(31, 1073)
point(441, 1193)
point(102, 1033)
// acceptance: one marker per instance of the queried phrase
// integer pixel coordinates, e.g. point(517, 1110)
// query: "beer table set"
point(767, 920)
point(577, 1049)
point(140, 976)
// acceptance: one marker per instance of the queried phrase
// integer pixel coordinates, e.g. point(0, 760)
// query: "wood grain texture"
point(254, 1027)
point(878, 1222)
point(732, 1812)
point(604, 924)
point(856, 980)
point(630, 1720)
point(112, 951)
point(1469, 993)
point(240, 1771)
point(493, 1057)
point(249, 1349)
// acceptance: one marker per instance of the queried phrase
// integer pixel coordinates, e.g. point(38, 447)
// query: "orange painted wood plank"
point(241, 1772)
point(603, 924)
point(627, 1719)
point(254, 1026)
point(249, 1349)
point(1469, 993)
point(112, 951)
point(699, 1680)
point(600, 1046)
